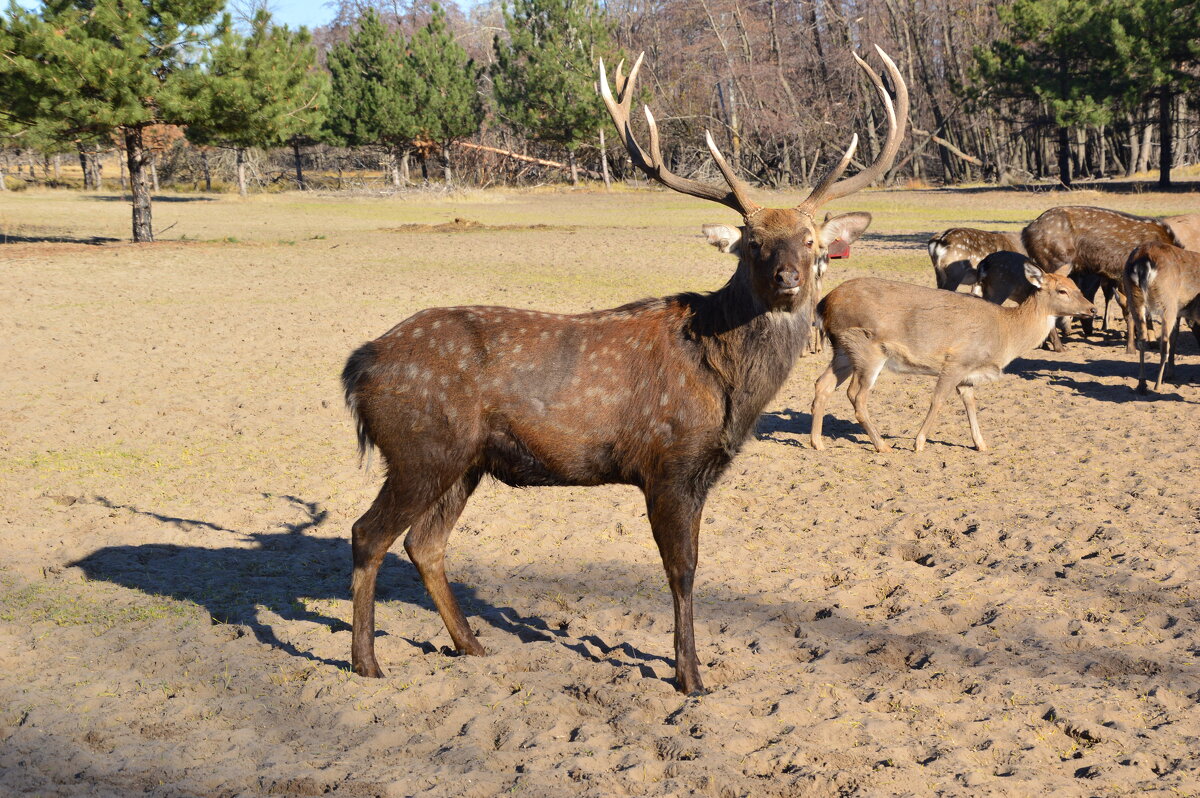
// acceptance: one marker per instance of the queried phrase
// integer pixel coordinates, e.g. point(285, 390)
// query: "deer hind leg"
point(1139, 334)
point(839, 369)
point(675, 521)
point(967, 393)
point(946, 382)
point(426, 547)
point(1168, 338)
point(868, 361)
point(371, 537)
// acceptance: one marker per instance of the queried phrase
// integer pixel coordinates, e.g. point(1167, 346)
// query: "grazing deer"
point(956, 254)
point(1079, 238)
point(1186, 228)
point(962, 340)
point(1162, 281)
point(660, 393)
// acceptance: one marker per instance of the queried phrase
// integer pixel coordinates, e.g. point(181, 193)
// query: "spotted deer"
point(1162, 281)
point(956, 254)
point(1077, 238)
point(660, 393)
point(962, 340)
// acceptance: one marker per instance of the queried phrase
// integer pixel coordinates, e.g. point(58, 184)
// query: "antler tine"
point(652, 163)
point(739, 187)
point(817, 195)
point(897, 115)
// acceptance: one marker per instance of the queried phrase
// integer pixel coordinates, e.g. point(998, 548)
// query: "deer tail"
point(1141, 269)
point(354, 375)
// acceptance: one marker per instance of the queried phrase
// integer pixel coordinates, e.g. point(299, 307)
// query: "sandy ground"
point(178, 477)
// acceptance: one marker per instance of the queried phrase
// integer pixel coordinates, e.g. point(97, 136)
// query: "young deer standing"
point(956, 254)
point(1162, 281)
point(1074, 238)
point(660, 393)
point(962, 340)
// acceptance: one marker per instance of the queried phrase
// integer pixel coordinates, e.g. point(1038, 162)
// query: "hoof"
point(818, 444)
point(370, 671)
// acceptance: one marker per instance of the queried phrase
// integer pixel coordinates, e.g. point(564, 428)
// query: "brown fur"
point(956, 254)
point(1081, 238)
point(1162, 281)
point(962, 340)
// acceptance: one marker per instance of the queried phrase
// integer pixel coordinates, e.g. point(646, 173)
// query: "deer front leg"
point(1166, 347)
point(946, 383)
point(675, 521)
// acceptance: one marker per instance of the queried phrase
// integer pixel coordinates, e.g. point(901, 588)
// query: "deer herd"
point(662, 393)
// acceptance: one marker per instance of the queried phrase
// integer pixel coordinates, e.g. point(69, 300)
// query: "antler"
point(737, 197)
point(897, 114)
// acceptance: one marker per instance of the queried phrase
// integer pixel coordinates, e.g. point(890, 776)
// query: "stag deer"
point(660, 393)
point(1162, 281)
point(1080, 238)
point(726, 238)
point(962, 340)
point(956, 254)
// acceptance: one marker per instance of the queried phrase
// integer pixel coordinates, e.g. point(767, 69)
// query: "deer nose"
point(787, 278)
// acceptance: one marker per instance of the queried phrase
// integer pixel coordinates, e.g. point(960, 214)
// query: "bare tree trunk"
point(143, 229)
point(1147, 138)
point(3, 171)
point(404, 167)
point(121, 169)
point(574, 167)
point(299, 164)
point(241, 169)
point(84, 167)
point(1064, 156)
point(604, 162)
point(207, 169)
point(154, 171)
point(394, 168)
point(58, 167)
point(1166, 99)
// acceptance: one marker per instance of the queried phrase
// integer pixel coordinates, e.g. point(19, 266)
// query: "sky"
point(292, 13)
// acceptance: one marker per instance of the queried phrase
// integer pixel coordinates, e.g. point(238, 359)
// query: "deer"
point(1078, 238)
point(1002, 278)
point(963, 340)
point(725, 238)
point(1186, 228)
point(659, 393)
point(1162, 281)
point(956, 254)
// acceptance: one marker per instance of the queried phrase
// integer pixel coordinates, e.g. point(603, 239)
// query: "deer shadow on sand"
point(289, 573)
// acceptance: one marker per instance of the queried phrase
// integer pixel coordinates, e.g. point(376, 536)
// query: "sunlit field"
point(178, 476)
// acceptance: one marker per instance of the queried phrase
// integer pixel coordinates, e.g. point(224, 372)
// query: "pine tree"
point(259, 90)
point(1156, 46)
point(1060, 53)
point(443, 88)
point(371, 94)
point(545, 74)
point(102, 67)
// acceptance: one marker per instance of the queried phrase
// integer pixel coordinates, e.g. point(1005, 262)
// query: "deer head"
point(777, 248)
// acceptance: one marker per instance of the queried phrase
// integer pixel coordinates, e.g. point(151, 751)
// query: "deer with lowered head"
point(660, 393)
point(962, 340)
point(956, 254)
point(1078, 238)
point(1162, 281)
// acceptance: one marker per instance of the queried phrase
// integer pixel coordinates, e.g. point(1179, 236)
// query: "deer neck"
point(1024, 327)
point(748, 348)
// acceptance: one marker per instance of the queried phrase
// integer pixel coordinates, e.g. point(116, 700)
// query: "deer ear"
point(847, 226)
point(1034, 275)
point(724, 237)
